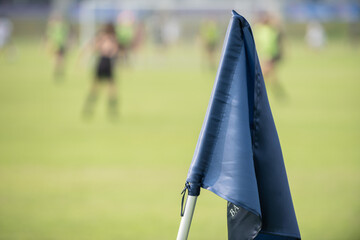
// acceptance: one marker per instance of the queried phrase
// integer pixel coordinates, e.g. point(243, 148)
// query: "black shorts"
point(104, 68)
point(60, 51)
point(211, 46)
point(276, 58)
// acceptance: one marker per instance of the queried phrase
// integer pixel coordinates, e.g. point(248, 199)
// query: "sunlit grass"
point(65, 178)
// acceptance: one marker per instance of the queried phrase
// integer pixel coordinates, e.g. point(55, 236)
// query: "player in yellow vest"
point(125, 34)
point(268, 39)
point(210, 37)
point(57, 36)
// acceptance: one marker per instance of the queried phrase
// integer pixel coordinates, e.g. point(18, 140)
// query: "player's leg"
point(91, 99)
point(59, 62)
point(271, 77)
point(113, 99)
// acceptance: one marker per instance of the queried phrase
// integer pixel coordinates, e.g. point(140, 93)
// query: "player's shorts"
point(276, 58)
point(211, 46)
point(61, 50)
point(104, 69)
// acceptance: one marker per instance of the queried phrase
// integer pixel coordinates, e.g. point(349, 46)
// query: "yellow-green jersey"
point(125, 35)
point(267, 40)
point(210, 33)
point(58, 34)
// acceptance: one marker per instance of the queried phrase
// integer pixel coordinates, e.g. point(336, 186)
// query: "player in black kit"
point(105, 46)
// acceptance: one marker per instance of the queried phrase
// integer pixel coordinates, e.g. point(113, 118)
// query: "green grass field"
point(65, 178)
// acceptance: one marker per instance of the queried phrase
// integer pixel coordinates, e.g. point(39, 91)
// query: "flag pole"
point(186, 218)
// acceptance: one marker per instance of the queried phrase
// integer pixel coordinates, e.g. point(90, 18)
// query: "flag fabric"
point(238, 154)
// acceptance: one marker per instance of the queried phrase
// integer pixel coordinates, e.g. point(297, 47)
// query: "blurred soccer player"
point(268, 38)
point(106, 48)
point(315, 35)
point(125, 34)
point(209, 33)
point(6, 28)
point(57, 36)
point(269, 44)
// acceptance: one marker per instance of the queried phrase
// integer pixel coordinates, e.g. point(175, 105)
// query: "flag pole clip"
point(183, 193)
point(187, 211)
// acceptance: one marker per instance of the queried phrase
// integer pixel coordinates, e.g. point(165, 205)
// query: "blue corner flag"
point(238, 154)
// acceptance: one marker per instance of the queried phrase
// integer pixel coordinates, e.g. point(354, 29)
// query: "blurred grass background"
point(65, 178)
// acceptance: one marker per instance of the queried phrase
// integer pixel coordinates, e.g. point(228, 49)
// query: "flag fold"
point(238, 154)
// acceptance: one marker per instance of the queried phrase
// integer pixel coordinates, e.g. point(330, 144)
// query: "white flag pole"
point(186, 219)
